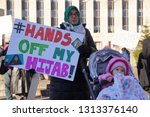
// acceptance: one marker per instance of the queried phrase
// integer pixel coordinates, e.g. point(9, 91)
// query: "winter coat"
point(139, 63)
point(142, 71)
point(77, 90)
point(146, 48)
point(146, 55)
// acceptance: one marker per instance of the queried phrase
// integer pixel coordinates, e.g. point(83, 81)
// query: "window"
point(10, 7)
point(40, 11)
point(125, 16)
point(96, 16)
point(54, 13)
point(139, 15)
point(25, 11)
point(67, 3)
point(110, 28)
point(125, 12)
point(99, 45)
point(40, 20)
point(82, 6)
point(110, 16)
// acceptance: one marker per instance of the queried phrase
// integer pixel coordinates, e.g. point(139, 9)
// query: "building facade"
point(102, 17)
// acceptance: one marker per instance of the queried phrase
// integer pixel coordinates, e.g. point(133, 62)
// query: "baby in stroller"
point(118, 84)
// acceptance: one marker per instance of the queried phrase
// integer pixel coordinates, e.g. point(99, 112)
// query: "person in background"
point(6, 72)
point(146, 55)
point(126, 54)
point(139, 64)
point(142, 72)
point(17, 81)
point(74, 90)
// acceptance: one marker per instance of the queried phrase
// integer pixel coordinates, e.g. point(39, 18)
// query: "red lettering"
point(40, 33)
point(30, 31)
point(68, 39)
point(58, 36)
point(49, 35)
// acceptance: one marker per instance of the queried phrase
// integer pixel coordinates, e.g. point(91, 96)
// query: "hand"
point(66, 26)
point(3, 52)
point(32, 72)
point(109, 79)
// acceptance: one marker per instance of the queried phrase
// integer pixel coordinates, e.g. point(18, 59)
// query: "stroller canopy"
point(98, 61)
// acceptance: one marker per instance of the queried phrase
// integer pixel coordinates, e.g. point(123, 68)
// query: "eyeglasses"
point(74, 15)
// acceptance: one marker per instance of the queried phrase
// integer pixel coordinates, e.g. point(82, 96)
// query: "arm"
point(90, 42)
point(106, 76)
point(89, 46)
point(3, 68)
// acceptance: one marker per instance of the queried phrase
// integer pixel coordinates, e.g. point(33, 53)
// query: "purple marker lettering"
point(56, 69)
point(64, 71)
point(41, 69)
point(31, 62)
point(48, 68)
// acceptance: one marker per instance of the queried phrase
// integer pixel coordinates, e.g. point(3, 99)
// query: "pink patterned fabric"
point(124, 88)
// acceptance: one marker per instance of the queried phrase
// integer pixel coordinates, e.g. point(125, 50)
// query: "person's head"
point(123, 49)
point(72, 15)
point(16, 58)
point(118, 65)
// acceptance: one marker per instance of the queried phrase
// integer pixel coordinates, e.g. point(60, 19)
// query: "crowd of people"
point(78, 90)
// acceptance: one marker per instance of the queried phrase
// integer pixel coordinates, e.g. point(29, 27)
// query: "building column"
point(17, 9)
point(90, 15)
point(133, 16)
point(32, 11)
point(76, 3)
point(61, 9)
point(117, 15)
point(47, 12)
point(146, 12)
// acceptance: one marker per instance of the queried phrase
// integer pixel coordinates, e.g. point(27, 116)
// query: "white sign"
point(5, 24)
point(46, 49)
point(126, 39)
point(1, 38)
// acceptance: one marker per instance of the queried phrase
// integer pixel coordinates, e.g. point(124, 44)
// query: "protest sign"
point(6, 24)
point(126, 39)
point(48, 50)
point(1, 38)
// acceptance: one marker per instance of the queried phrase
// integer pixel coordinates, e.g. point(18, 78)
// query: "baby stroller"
point(97, 64)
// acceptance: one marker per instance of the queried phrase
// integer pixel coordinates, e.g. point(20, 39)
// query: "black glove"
point(3, 68)
point(3, 52)
point(83, 50)
point(31, 72)
point(62, 26)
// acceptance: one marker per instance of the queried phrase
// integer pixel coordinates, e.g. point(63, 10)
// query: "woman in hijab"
point(74, 90)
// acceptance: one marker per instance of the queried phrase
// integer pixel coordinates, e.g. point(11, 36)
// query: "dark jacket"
point(77, 90)
point(146, 55)
point(139, 63)
point(146, 48)
point(3, 68)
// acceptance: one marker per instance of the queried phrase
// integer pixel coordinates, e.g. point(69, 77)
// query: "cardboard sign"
point(1, 38)
point(48, 50)
point(5, 24)
point(126, 39)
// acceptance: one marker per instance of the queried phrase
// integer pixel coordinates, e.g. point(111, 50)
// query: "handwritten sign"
point(5, 24)
point(48, 50)
point(126, 39)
